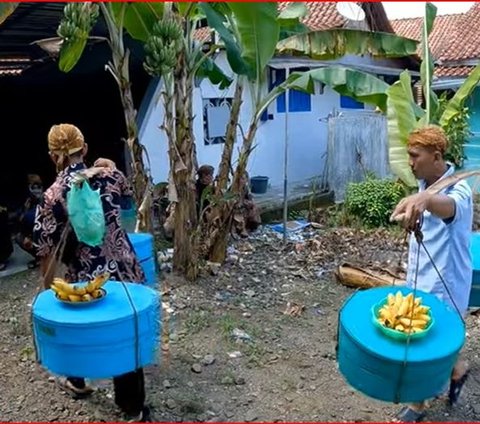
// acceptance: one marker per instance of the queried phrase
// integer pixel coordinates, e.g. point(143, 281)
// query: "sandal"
point(409, 415)
point(143, 417)
point(456, 387)
point(75, 392)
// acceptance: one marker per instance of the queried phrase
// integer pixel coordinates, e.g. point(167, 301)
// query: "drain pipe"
point(285, 161)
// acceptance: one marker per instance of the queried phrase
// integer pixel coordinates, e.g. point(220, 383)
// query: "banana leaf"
point(73, 47)
point(456, 103)
point(259, 29)
point(401, 120)
point(217, 21)
point(427, 66)
point(209, 69)
point(361, 86)
point(289, 20)
point(6, 9)
point(335, 43)
point(139, 17)
point(71, 51)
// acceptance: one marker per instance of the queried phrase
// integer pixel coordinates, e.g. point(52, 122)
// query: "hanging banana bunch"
point(78, 20)
point(162, 47)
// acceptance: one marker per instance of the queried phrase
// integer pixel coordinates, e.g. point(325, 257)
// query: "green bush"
point(372, 201)
point(458, 132)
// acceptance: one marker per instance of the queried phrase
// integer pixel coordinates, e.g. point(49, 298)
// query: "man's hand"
point(105, 163)
point(410, 209)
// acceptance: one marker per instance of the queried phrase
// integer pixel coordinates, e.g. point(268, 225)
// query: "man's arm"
point(409, 210)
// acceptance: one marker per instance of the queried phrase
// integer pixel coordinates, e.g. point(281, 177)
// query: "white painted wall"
point(307, 136)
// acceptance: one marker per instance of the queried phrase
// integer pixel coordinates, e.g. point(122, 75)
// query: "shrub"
point(373, 200)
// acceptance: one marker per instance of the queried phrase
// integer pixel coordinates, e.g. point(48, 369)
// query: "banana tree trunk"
point(219, 244)
point(226, 162)
point(185, 240)
point(140, 179)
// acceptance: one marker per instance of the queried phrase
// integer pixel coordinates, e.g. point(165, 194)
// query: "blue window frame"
point(298, 101)
point(349, 103)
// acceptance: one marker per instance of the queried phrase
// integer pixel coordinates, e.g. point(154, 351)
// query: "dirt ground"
point(277, 368)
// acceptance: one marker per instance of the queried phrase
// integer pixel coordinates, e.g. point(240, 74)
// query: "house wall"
point(307, 135)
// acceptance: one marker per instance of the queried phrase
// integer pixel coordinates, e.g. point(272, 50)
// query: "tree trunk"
point(141, 186)
point(226, 162)
point(219, 244)
point(185, 240)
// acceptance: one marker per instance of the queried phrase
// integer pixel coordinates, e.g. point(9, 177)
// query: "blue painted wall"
point(472, 148)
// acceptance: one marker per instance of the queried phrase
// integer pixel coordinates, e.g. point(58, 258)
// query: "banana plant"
point(6, 9)
point(252, 34)
point(404, 115)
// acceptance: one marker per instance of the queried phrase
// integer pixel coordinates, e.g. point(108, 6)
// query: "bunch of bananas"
point(404, 313)
point(162, 47)
point(86, 293)
point(78, 19)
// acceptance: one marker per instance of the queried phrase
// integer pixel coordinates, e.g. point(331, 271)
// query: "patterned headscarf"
point(65, 140)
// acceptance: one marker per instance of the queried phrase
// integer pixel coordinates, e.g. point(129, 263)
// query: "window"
point(349, 103)
point(216, 114)
point(298, 101)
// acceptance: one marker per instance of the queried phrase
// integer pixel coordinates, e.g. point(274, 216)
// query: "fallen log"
point(354, 276)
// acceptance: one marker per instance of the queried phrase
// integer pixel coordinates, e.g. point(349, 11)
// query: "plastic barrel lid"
point(115, 307)
point(444, 339)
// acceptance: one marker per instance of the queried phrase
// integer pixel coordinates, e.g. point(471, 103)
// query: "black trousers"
point(129, 391)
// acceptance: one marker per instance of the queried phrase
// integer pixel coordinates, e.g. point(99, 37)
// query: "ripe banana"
point(404, 313)
point(86, 293)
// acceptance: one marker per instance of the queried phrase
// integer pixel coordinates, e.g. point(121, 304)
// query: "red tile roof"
point(453, 71)
point(439, 40)
point(455, 38)
point(465, 41)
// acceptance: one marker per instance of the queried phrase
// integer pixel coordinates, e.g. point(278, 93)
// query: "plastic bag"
point(85, 211)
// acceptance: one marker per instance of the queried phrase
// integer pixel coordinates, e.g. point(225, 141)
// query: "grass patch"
point(198, 321)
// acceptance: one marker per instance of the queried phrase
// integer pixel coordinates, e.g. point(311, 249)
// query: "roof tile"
point(444, 28)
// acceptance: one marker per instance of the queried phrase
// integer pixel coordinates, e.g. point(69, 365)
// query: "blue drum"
point(144, 249)
point(474, 300)
point(112, 336)
point(385, 368)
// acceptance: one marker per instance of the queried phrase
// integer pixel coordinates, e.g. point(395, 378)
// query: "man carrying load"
point(445, 222)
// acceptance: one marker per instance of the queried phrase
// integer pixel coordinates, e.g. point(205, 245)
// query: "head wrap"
point(65, 140)
point(430, 137)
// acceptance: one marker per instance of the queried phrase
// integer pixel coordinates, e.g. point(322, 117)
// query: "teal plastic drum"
point(143, 245)
point(106, 339)
point(374, 364)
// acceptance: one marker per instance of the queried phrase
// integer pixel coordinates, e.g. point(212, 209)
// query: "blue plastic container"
point(373, 363)
point(101, 340)
point(144, 249)
point(474, 300)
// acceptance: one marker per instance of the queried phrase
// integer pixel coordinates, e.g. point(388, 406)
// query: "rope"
point(409, 336)
point(419, 237)
point(135, 320)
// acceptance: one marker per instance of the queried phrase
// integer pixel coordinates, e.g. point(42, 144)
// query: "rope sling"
point(420, 244)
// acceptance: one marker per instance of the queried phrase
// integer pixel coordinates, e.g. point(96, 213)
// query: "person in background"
point(203, 184)
point(445, 220)
point(116, 255)
point(246, 216)
point(27, 218)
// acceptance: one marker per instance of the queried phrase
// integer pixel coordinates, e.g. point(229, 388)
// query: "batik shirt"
point(115, 255)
